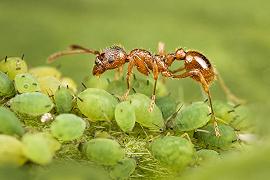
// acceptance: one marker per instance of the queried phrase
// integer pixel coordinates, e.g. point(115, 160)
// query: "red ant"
point(196, 66)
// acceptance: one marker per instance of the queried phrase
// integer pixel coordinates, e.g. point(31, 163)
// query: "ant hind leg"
point(206, 90)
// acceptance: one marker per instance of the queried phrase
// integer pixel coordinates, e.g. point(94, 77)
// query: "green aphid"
point(63, 100)
point(173, 152)
point(39, 148)
point(13, 66)
point(67, 127)
point(43, 71)
point(208, 138)
point(192, 117)
point(123, 169)
point(223, 111)
point(49, 84)
point(152, 120)
point(11, 151)
point(7, 88)
point(97, 104)
point(117, 87)
point(9, 123)
point(146, 86)
point(103, 151)
point(125, 116)
point(242, 119)
point(96, 82)
point(204, 155)
point(70, 83)
point(167, 105)
point(26, 83)
point(32, 104)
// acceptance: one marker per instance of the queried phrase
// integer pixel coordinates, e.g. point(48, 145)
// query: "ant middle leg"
point(161, 49)
point(178, 70)
point(118, 73)
point(207, 91)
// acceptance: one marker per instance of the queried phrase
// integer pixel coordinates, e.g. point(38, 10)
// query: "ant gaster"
point(196, 66)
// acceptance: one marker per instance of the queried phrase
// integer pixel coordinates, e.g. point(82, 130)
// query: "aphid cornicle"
point(196, 66)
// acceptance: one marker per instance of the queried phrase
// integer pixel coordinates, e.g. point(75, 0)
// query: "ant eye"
point(98, 61)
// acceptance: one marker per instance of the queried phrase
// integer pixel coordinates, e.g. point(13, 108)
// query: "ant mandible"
point(196, 66)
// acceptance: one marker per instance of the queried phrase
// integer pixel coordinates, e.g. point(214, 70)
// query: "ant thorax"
point(114, 53)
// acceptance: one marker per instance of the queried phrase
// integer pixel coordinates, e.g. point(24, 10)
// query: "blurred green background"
point(234, 35)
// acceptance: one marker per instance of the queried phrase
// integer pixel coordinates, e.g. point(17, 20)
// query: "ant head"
point(180, 54)
point(111, 58)
point(99, 67)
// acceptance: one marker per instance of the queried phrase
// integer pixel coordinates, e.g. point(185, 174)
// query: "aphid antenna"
point(202, 130)
point(84, 85)
point(108, 80)
point(206, 100)
point(231, 111)
point(147, 82)
point(134, 90)
point(106, 116)
point(80, 98)
point(222, 121)
point(6, 59)
point(160, 129)
point(22, 56)
point(134, 77)
point(174, 114)
point(144, 131)
point(236, 106)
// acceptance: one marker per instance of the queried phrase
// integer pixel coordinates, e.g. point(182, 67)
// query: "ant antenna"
point(74, 49)
point(22, 56)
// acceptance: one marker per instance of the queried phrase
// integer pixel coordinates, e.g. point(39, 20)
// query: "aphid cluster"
point(44, 116)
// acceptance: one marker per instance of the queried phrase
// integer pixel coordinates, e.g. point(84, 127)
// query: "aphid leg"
point(206, 89)
point(185, 135)
point(153, 98)
point(129, 73)
point(230, 96)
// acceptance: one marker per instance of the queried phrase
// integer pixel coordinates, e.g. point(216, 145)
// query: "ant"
point(196, 66)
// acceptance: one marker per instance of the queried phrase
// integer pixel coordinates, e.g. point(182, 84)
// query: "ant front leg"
point(129, 73)
point(118, 73)
point(153, 98)
point(206, 89)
